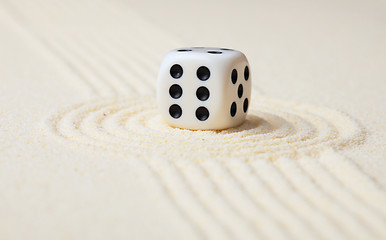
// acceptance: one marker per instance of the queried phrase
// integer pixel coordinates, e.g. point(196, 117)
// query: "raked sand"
point(84, 153)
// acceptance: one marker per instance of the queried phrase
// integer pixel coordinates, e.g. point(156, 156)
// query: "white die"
point(204, 88)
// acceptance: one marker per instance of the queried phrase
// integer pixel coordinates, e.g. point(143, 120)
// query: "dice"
point(204, 88)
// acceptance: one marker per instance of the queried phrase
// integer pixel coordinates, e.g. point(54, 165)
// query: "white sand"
point(85, 155)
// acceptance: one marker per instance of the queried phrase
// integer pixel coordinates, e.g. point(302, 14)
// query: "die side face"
point(237, 92)
point(196, 90)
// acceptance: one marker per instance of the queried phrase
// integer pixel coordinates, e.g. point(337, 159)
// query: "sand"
point(84, 153)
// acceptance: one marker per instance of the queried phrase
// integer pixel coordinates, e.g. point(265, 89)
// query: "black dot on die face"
point(245, 105)
point(176, 71)
point(184, 50)
point(234, 76)
point(203, 73)
point(175, 111)
point(246, 73)
point(202, 113)
point(202, 93)
point(226, 49)
point(240, 91)
point(233, 109)
point(214, 52)
point(175, 91)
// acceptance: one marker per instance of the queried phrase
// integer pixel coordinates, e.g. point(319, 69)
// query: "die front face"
point(204, 88)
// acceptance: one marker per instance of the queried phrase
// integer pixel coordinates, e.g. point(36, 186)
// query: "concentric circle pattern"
point(273, 128)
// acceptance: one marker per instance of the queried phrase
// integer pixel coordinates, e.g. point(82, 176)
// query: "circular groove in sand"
point(273, 128)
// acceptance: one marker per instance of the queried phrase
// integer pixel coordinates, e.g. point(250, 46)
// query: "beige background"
point(84, 154)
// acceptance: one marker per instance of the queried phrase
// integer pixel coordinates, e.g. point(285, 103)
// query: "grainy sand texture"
point(84, 153)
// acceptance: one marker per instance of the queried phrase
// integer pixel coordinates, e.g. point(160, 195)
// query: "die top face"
point(216, 54)
point(204, 88)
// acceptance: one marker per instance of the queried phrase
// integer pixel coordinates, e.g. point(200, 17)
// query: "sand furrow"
point(183, 196)
point(361, 186)
point(93, 56)
point(284, 219)
point(339, 214)
point(233, 189)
